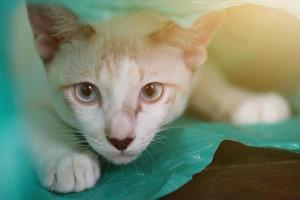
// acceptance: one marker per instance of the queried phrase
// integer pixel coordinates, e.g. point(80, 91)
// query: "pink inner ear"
point(195, 57)
point(47, 41)
point(46, 47)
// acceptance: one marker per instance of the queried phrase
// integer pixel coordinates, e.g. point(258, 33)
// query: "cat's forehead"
point(127, 37)
point(139, 62)
point(121, 48)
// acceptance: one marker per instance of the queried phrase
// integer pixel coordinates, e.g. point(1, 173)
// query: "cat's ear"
point(193, 41)
point(53, 26)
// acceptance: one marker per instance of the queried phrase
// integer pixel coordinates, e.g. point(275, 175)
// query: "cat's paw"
point(72, 173)
point(265, 108)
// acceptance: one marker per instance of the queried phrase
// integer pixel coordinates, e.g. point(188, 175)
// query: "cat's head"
point(119, 81)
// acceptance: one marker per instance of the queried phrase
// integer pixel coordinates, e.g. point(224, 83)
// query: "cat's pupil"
point(87, 90)
point(149, 90)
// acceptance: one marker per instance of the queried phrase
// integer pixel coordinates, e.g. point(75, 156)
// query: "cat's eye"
point(152, 92)
point(86, 93)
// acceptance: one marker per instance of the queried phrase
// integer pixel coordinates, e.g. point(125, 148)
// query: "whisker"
point(162, 137)
point(172, 127)
point(160, 143)
point(151, 156)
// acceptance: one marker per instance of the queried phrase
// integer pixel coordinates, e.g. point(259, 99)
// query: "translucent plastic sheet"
point(164, 167)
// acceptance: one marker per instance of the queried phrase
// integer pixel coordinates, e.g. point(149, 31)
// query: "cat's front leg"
point(263, 108)
point(73, 172)
point(220, 100)
point(63, 164)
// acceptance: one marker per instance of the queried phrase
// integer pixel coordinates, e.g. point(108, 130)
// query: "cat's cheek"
point(63, 108)
point(88, 119)
point(91, 121)
point(175, 106)
point(148, 124)
point(144, 142)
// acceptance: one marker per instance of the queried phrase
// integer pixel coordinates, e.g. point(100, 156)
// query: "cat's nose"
point(120, 144)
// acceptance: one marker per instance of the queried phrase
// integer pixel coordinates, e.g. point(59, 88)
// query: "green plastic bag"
point(168, 163)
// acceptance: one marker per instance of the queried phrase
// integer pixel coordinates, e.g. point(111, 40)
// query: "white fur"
point(54, 115)
point(74, 172)
point(264, 108)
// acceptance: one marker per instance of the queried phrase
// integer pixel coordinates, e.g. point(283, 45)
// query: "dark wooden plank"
point(240, 172)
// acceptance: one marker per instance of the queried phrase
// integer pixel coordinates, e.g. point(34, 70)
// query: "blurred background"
point(259, 48)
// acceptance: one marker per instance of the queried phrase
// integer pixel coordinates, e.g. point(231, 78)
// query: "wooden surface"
point(240, 172)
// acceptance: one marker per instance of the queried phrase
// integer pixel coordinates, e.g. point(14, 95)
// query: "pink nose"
point(120, 144)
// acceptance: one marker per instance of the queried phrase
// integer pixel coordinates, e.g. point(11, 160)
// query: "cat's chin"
point(122, 159)
point(116, 157)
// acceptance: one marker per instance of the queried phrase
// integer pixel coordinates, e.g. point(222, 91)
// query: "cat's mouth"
point(123, 158)
point(116, 157)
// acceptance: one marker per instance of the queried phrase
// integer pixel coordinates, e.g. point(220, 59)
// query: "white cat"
point(115, 84)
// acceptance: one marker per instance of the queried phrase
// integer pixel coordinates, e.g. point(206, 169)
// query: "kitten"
point(115, 84)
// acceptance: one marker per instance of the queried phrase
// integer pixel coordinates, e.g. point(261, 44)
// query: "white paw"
point(266, 108)
point(72, 173)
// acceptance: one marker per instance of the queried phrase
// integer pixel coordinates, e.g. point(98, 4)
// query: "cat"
point(114, 84)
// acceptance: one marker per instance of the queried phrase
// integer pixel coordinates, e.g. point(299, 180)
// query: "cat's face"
point(129, 97)
point(120, 83)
